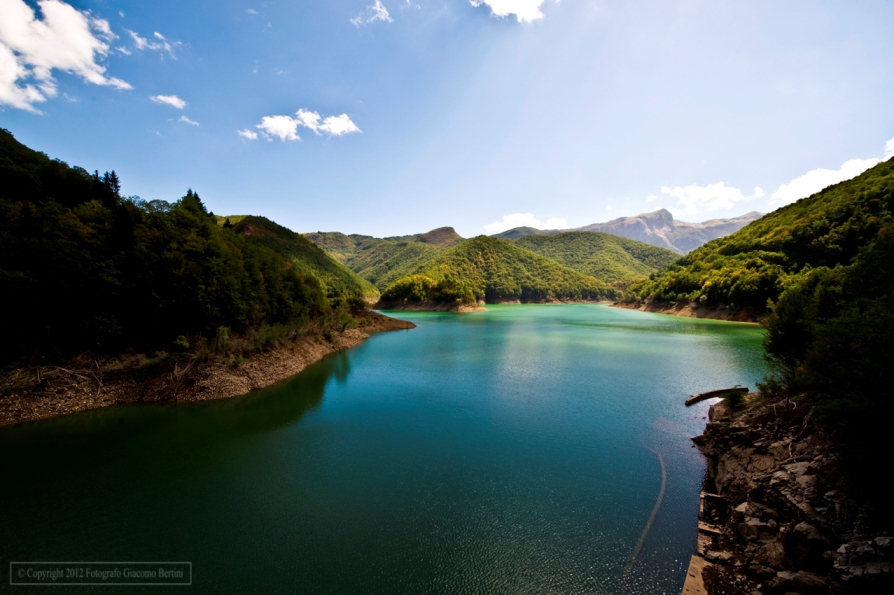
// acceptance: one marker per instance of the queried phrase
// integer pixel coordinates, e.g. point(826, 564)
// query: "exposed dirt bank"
point(430, 307)
point(777, 517)
point(692, 310)
point(40, 392)
point(480, 307)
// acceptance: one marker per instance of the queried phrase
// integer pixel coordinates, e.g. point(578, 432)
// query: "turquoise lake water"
point(511, 451)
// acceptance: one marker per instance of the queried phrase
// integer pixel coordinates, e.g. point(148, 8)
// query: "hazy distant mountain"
point(658, 228)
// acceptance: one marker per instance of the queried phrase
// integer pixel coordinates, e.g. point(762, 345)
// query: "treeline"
point(830, 337)
point(420, 289)
point(752, 267)
point(83, 268)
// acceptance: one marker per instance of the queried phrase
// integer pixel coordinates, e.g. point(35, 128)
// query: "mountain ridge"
point(658, 228)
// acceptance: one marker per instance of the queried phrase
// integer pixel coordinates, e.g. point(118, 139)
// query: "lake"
point(518, 450)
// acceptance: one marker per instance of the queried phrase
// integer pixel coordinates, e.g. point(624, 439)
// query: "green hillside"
point(755, 264)
point(495, 270)
point(387, 261)
point(340, 246)
point(84, 269)
point(381, 261)
point(307, 257)
point(605, 256)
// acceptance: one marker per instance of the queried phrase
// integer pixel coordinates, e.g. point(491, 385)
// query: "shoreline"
point(57, 390)
point(692, 310)
point(777, 515)
point(480, 307)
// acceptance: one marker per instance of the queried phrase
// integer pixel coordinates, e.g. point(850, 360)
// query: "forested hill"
point(494, 270)
point(310, 259)
point(381, 261)
point(754, 265)
point(83, 268)
point(605, 256)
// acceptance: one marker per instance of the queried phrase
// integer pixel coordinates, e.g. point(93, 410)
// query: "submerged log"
point(715, 393)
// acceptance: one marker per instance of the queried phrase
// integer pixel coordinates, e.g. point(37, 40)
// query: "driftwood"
point(714, 393)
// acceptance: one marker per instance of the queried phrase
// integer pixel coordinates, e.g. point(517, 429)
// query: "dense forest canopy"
point(495, 270)
point(752, 267)
point(83, 268)
point(608, 257)
point(307, 257)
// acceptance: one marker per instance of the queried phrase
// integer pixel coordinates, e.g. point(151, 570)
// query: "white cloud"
point(333, 125)
point(814, 181)
point(525, 11)
point(523, 220)
point(251, 11)
point(699, 199)
point(286, 127)
point(818, 179)
point(160, 43)
point(171, 100)
point(247, 134)
point(376, 12)
point(186, 120)
point(65, 39)
point(651, 198)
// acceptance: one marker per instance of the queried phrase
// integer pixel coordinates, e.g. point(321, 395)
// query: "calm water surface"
point(512, 451)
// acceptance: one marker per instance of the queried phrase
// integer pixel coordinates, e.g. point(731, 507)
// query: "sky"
point(391, 117)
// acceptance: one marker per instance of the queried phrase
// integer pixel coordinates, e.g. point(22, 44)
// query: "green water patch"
point(508, 451)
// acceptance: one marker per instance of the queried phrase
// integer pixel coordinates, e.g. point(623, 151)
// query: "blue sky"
point(397, 116)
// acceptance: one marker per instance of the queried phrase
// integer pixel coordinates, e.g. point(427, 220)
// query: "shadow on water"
point(276, 406)
point(111, 462)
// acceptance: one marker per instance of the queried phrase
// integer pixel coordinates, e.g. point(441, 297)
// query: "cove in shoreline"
point(692, 310)
point(41, 392)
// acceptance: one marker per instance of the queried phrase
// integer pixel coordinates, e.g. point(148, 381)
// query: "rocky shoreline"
point(40, 392)
point(776, 516)
point(692, 310)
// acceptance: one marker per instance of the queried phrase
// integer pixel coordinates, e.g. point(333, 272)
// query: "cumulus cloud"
point(159, 43)
point(523, 220)
point(171, 100)
point(286, 127)
point(283, 127)
point(700, 199)
point(186, 120)
point(376, 12)
point(247, 134)
point(526, 11)
point(65, 39)
point(817, 179)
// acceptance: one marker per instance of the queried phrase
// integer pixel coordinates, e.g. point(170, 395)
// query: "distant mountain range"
point(658, 228)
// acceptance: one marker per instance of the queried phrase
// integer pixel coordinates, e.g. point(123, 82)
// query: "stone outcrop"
point(777, 516)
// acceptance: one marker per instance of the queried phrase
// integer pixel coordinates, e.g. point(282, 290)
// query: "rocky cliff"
point(777, 513)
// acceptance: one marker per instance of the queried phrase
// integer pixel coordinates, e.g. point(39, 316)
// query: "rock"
point(771, 554)
point(714, 556)
point(753, 529)
point(805, 583)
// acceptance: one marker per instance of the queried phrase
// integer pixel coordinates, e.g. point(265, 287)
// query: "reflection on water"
point(509, 451)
